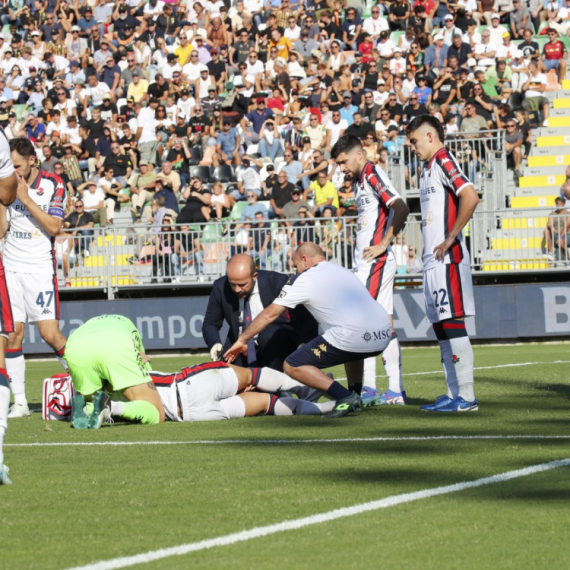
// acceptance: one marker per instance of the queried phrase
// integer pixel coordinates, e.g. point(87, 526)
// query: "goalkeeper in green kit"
point(106, 356)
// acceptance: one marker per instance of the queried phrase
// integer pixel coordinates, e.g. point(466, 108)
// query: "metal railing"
point(118, 258)
point(480, 155)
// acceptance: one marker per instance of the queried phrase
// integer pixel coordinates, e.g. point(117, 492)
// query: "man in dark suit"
point(237, 299)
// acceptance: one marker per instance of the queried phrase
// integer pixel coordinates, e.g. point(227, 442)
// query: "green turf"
point(74, 505)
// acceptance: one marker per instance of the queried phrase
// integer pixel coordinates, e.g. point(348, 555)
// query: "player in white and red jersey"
point(448, 200)
point(30, 225)
point(8, 189)
point(381, 215)
point(215, 391)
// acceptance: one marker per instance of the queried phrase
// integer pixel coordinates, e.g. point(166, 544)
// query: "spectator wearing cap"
point(36, 98)
point(108, 109)
point(254, 120)
point(110, 73)
point(138, 89)
point(227, 145)
point(121, 19)
point(348, 108)
point(305, 45)
point(554, 55)
point(217, 69)
point(436, 55)
point(74, 75)
point(270, 144)
point(296, 203)
point(95, 90)
point(146, 133)
point(101, 55)
point(449, 29)
point(179, 156)
point(212, 101)
point(77, 46)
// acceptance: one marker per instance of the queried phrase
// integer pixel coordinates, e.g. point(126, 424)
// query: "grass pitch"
point(74, 505)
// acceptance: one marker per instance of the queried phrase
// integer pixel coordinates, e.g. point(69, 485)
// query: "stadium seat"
point(202, 172)
point(223, 173)
point(197, 155)
point(235, 214)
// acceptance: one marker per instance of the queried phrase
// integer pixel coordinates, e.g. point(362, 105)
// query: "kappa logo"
point(442, 310)
point(317, 351)
point(46, 311)
point(445, 161)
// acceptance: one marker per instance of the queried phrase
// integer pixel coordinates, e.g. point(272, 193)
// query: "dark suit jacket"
point(281, 337)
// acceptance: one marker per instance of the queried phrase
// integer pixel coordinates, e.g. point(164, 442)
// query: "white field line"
point(512, 365)
point(290, 441)
point(260, 531)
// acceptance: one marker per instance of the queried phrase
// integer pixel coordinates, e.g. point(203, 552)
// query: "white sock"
point(296, 407)
point(464, 362)
point(16, 367)
point(392, 360)
point(369, 375)
point(117, 408)
point(269, 380)
point(4, 407)
point(449, 368)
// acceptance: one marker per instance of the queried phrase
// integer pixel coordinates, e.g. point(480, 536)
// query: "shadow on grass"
point(561, 389)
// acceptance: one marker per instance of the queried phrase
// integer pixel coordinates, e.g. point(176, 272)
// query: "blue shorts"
point(551, 64)
point(321, 354)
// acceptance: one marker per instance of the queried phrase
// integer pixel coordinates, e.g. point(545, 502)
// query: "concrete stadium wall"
point(503, 312)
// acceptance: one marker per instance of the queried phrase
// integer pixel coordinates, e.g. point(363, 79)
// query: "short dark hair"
point(23, 146)
point(346, 143)
point(430, 120)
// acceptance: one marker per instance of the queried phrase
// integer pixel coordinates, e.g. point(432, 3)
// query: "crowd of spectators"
point(212, 105)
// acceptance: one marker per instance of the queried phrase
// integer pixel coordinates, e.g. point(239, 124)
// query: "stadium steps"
point(538, 191)
point(518, 202)
point(555, 180)
point(543, 170)
point(558, 112)
point(557, 160)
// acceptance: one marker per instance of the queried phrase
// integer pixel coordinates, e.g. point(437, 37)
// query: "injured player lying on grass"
point(220, 391)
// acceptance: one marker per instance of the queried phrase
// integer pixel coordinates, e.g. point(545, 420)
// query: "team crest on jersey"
point(40, 191)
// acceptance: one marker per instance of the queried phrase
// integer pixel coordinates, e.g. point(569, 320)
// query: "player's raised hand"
point(235, 350)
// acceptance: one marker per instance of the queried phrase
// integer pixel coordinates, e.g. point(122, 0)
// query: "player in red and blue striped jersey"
point(381, 215)
point(448, 200)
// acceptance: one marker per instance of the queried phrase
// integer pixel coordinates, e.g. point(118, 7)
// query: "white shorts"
point(211, 396)
point(378, 278)
point(448, 292)
point(33, 296)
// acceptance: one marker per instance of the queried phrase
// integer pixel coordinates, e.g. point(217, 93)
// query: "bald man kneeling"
point(355, 326)
point(237, 299)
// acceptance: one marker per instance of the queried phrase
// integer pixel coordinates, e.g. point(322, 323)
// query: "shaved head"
point(307, 255)
point(242, 274)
